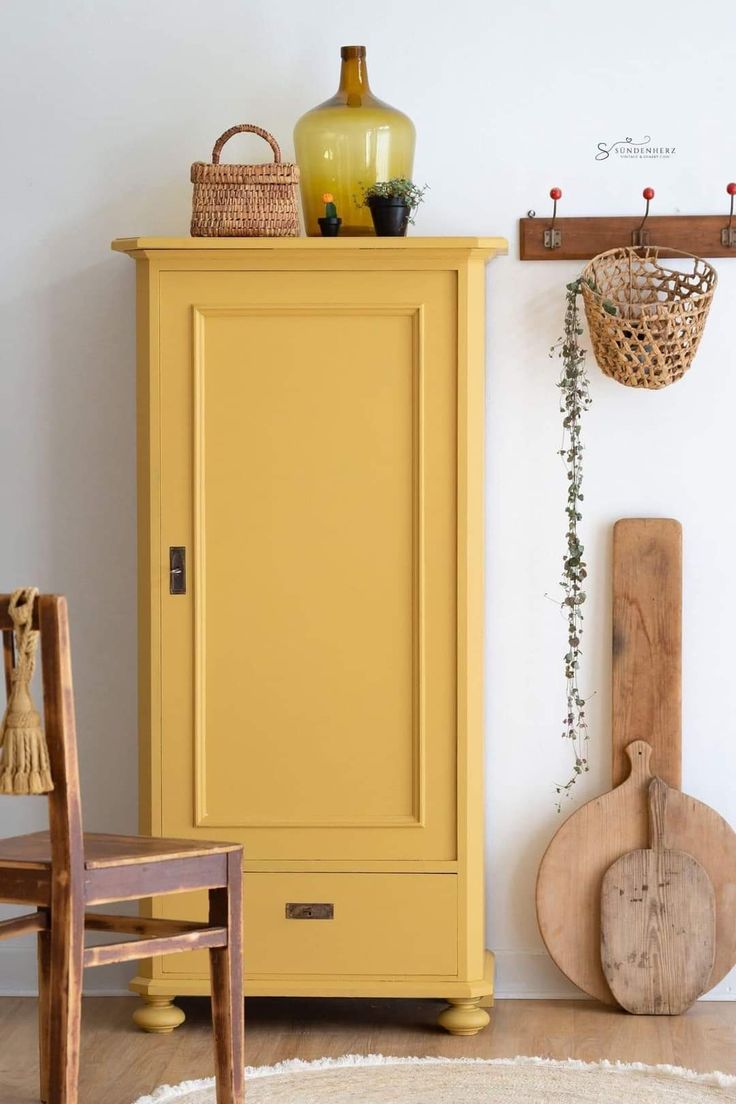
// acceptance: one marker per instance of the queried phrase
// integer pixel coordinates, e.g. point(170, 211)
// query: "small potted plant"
point(329, 224)
point(392, 204)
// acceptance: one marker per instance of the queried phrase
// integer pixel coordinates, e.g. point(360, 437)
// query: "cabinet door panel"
point(309, 467)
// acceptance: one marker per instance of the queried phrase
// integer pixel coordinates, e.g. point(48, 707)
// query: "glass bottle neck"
point(354, 79)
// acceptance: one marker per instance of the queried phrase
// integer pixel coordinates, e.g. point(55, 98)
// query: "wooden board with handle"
point(647, 564)
point(571, 873)
point(572, 869)
point(658, 922)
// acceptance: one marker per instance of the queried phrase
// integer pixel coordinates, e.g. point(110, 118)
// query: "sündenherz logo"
point(628, 149)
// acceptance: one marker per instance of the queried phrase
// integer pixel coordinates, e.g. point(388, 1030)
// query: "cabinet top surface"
point(489, 247)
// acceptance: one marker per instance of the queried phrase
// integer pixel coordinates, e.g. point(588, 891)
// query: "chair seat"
point(34, 850)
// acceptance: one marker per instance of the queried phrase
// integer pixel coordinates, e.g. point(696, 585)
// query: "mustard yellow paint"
point(373, 933)
point(311, 430)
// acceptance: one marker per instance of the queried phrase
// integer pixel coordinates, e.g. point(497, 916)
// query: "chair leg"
point(226, 971)
point(65, 998)
point(43, 954)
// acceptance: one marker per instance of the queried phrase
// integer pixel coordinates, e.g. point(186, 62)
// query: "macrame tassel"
point(25, 755)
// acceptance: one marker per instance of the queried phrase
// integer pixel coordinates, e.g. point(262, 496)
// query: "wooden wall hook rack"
point(579, 239)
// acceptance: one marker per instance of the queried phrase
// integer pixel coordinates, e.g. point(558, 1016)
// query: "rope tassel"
point(25, 767)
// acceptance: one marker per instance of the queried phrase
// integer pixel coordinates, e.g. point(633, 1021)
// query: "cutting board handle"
point(657, 815)
point(639, 753)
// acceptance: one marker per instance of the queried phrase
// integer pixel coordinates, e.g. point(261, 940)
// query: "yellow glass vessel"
point(350, 141)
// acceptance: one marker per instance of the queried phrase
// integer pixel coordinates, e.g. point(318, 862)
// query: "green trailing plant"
point(574, 401)
point(398, 188)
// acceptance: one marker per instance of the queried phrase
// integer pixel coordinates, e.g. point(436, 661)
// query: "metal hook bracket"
point(640, 236)
point(728, 233)
point(553, 236)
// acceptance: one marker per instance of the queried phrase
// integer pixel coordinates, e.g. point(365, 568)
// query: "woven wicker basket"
point(646, 320)
point(245, 201)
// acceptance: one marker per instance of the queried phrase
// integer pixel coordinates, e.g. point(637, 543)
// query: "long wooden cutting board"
point(647, 644)
point(647, 634)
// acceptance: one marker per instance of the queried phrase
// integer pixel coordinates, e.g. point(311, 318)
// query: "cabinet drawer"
point(380, 925)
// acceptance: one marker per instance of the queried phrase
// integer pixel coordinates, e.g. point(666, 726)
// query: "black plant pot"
point(390, 216)
point(330, 227)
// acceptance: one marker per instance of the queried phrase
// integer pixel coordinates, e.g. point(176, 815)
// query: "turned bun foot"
point(159, 1016)
point(464, 1017)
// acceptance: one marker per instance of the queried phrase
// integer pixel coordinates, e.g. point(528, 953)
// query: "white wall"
point(106, 103)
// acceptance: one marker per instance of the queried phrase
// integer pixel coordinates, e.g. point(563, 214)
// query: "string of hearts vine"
point(574, 401)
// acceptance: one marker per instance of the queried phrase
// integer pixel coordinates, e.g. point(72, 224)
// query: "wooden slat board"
point(658, 923)
point(647, 643)
point(584, 237)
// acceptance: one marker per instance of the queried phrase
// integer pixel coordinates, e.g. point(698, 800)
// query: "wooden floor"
point(119, 1063)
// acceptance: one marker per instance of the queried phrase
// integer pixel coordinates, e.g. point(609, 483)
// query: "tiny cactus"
point(330, 208)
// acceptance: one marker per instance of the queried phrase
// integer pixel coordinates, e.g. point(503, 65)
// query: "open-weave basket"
point(645, 319)
point(245, 201)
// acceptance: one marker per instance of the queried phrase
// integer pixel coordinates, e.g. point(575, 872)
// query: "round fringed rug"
point(374, 1079)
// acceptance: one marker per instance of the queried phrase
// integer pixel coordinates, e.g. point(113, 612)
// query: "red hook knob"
point(648, 194)
point(556, 193)
point(731, 189)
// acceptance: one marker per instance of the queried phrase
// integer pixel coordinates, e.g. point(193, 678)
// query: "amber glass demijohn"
point(348, 142)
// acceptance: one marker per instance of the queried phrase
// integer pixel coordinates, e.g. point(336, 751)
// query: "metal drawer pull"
point(177, 569)
point(297, 910)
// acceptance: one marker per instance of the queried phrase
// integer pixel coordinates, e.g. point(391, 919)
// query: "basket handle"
point(243, 128)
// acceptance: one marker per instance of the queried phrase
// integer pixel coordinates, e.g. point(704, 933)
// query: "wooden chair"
point(63, 871)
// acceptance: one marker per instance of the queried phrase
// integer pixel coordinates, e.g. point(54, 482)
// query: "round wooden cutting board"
point(571, 873)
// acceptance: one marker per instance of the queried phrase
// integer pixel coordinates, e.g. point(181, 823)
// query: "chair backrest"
point(65, 816)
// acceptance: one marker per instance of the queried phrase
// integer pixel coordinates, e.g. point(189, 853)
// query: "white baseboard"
point(532, 975)
point(18, 974)
point(520, 975)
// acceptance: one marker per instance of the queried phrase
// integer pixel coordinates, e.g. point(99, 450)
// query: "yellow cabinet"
point(310, 533)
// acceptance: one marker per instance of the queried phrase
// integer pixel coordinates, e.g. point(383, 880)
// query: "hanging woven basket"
point(646, 319)
point(245, 201)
